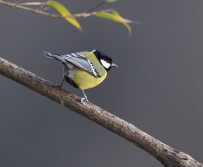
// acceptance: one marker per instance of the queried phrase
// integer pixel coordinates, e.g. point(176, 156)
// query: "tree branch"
point(168, 156)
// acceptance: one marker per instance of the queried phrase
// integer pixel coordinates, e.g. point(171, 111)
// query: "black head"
point(104, 59)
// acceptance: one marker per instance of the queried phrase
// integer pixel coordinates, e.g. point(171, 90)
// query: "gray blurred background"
point(158, 86)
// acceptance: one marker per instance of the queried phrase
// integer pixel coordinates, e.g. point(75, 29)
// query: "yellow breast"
point(85, 80)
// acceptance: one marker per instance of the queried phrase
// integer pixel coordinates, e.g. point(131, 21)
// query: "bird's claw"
point(59, 86)
point(83, 99)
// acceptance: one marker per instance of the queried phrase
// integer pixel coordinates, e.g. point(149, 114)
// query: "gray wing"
point(82, 63)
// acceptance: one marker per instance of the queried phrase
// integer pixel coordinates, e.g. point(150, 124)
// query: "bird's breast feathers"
point(84, 80)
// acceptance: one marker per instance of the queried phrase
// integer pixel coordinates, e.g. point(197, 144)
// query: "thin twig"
point(76, 16)
point(94, 7)
point(80, 15)
point(29, 9)
point(33, 3)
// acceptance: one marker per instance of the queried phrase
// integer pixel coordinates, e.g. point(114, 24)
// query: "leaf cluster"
point(42, 8)
point(110, 15)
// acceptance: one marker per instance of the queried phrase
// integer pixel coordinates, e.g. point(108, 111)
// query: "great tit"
point(84, 70)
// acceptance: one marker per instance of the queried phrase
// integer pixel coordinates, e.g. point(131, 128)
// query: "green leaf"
point(64, 13)
point(128, 27)
point(110, 1)
point(115, 13)
point(109, 16)
point(125, 24)
point(115, 16)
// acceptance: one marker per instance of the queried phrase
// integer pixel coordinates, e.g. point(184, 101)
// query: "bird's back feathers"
point(76, 59)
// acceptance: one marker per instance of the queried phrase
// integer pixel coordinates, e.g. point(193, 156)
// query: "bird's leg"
point(85, 97)
point(60, 86)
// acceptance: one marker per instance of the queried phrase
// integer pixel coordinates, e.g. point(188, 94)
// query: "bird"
point(84, 70)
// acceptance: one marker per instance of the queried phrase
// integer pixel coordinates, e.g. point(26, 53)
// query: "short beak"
point(113, 65)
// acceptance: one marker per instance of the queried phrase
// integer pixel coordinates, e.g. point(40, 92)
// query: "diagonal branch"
point(168, 156)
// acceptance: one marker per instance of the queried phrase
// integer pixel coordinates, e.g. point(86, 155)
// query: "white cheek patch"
point(105, 64)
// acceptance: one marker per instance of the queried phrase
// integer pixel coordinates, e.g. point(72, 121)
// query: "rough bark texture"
point(168, 156)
